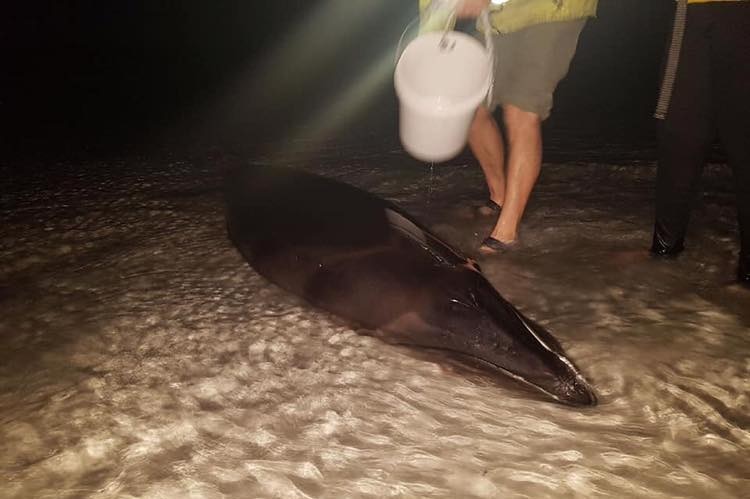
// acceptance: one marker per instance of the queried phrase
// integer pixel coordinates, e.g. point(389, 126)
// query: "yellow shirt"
point(517, 14)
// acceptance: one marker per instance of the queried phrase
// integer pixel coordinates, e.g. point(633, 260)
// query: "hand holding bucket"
point(440, 80)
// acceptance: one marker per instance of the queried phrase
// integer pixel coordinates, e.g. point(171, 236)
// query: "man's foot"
point(661, 248)
point(492, 246)
point(490, 208)
point(743, 270)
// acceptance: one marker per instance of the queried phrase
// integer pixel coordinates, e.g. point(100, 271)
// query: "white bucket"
point(440, 79)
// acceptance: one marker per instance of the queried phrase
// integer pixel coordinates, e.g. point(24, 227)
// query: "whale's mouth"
point(564, 382)
point(576, 391)
point(573, 391)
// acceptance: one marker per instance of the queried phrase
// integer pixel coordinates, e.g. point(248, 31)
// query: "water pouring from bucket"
point(441, 78)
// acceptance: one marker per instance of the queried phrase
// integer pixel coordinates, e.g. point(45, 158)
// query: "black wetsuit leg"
point(684, 136)
point(731, 77)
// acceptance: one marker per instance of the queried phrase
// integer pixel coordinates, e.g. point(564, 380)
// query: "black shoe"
point(661, 248)
point(743, 270)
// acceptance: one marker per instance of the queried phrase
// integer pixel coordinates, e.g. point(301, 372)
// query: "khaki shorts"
point(529, 64)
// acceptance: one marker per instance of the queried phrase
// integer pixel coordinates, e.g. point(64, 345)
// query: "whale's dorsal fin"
point(439, 250)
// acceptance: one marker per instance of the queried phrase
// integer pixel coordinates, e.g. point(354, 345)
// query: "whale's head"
point(472, 318)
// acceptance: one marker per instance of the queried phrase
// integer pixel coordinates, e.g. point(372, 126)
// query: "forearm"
point(471, 8)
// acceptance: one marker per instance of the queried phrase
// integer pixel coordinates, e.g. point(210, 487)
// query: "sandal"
point(490, 208)
point(491, 246)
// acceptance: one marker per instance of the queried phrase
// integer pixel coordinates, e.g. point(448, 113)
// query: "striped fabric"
point(673, 59)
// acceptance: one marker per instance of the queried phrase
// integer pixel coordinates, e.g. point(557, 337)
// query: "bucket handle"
point(486, 27)
point(399, 50)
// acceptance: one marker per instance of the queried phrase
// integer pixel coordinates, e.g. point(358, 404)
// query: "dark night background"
point(141, 356)
point(83, 79)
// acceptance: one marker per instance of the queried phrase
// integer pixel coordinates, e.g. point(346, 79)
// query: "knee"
point(483, 124)
point(515, 117)
point(521, 124)
point(482, 117)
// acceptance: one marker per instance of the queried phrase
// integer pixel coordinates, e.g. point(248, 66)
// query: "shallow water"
point(141, 357)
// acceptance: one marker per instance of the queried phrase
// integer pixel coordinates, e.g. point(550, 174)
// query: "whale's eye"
point(458, 306)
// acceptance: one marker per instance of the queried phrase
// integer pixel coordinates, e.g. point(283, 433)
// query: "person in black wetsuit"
point(705, 93)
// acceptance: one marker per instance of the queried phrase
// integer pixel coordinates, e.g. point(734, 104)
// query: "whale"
point(364, 259)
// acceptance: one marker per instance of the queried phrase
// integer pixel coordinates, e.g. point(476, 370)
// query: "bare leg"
point(524, 164)
point(486, 143)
